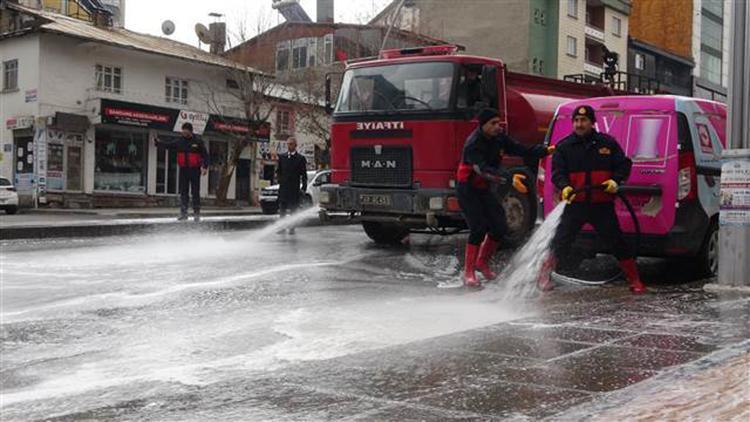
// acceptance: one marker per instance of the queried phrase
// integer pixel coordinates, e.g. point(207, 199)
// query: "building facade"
point(553, 38)
point(684, 44)
point(81, 107)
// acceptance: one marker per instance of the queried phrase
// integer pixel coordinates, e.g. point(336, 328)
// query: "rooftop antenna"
point(204, 36)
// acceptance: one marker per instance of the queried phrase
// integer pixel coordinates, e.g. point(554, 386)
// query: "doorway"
point(243, 182)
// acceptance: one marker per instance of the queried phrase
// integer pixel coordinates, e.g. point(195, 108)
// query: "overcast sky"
point(148, 15)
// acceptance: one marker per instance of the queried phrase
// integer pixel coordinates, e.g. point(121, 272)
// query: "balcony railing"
point(594, 32)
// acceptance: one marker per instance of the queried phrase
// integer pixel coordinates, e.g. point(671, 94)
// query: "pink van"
point(675, 144)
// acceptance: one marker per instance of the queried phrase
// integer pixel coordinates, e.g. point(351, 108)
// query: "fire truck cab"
point(398, 130)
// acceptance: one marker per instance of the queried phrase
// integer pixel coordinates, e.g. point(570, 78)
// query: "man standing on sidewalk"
point(192, 158)
point(292, 171)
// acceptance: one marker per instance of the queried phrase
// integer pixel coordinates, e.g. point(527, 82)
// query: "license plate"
point(375, 200)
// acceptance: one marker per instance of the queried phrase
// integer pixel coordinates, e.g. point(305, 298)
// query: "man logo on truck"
point(378, 164)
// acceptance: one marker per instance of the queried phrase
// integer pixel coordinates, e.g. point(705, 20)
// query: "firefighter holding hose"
point(588, 167)
point(480, 168)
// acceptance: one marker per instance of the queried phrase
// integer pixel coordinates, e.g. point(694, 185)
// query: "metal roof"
point(121, 37)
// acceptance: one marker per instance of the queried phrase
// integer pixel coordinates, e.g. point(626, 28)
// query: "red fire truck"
point(399, 126)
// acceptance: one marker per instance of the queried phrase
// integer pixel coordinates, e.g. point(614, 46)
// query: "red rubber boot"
point(544, 282)
point(486, 251)
point(470, 278)
point(631, 274)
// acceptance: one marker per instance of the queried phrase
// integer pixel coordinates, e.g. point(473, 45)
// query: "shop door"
point(23, 160)
point(243, 181)
point(73, 175)
point(166, 167)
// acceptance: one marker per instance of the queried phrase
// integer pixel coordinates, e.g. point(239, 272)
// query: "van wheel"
point(708, 259)
point(385, 234)
point(11, 210)
point(518, 217)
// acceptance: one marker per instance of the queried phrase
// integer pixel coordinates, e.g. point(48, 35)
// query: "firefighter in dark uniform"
point(292, 172)
point(479, 168)
point(588, 158)
point(192, 158)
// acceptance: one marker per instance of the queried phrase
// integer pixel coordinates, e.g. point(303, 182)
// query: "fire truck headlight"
point(436, 203)
point(325, 197)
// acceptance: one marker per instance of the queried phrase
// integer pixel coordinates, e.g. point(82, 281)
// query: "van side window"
point(648, 138)
point(683, 133)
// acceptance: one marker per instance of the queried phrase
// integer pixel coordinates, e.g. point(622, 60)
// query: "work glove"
point(567, 194)
point(518, 183)
point(551, 149)
point(610, 186)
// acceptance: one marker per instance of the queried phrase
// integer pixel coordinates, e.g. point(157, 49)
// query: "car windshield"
point(5, 182)
point(412, 86)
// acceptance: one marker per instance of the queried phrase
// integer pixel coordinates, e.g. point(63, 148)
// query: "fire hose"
point(654, 190)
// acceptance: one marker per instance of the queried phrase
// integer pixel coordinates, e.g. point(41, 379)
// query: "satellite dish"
point(167, 27)
point(203, 33)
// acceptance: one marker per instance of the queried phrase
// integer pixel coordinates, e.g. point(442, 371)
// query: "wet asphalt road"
point(324, 325)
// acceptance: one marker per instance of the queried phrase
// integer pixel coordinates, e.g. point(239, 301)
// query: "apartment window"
point(715, 7)
point(176, 90)
point(284, 122)
point(282, 56)
point(109, 78)
point(572, 46)
point(299, 57)
point(712, 33)
point(640, 61)
point(616, 26)
point(10, 75)
point(711, 67)
point(573, 8)
point(328, 48)
point(233, 84)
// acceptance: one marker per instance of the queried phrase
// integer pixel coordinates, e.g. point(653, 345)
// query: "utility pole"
point(734, 220)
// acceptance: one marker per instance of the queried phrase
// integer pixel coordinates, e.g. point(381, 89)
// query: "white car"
point(8, 196)
point(269, 197)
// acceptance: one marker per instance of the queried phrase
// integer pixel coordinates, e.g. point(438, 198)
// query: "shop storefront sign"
point(32, 95)
point(22, 122)
point(197, 119)
point(160, 118)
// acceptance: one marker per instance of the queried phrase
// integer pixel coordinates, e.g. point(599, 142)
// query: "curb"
point(105, 229)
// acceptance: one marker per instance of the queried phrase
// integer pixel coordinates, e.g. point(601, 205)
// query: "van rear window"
point(683, 133)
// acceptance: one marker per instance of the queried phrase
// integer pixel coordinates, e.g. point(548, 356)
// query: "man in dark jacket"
point(480, 167)
point(192, 158)
point(585, 159)
point(292, 172)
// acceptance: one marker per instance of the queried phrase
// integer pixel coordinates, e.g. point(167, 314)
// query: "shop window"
point(120, 161)
point(108, 78)
point(10, 75)
point(176, 90)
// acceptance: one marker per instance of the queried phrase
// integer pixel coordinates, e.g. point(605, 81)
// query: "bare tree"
point(254, 92)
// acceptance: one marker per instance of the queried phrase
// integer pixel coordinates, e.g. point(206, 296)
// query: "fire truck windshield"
point(398, 87)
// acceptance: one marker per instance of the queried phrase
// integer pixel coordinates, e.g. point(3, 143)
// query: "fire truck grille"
point(387, 166)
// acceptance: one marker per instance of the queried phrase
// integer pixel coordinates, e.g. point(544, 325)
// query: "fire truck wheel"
point(519, 217)
point(385, 234)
